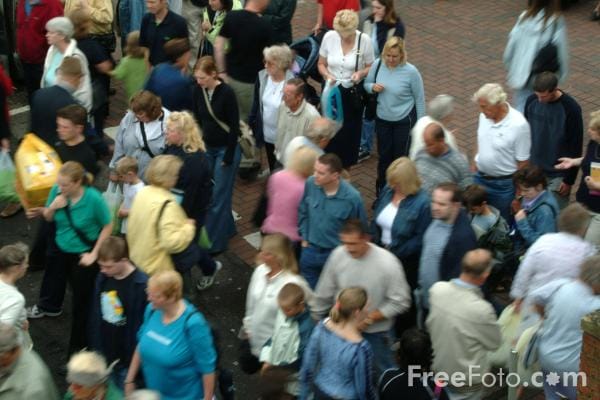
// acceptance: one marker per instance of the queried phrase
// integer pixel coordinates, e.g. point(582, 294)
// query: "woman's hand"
point(59, 202)
point(566, 163)
point(591, 184)
point(356, 77)
point(206, 26)
point(521, 214)
point(264, 368)
point(129, 388)
point(5, 145)
point(377, 88)
point(87, 259)
point(34, 212)
point(517, 305)
point(113, 176)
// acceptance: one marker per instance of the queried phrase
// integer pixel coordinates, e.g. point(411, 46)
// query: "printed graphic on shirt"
point(112, 308)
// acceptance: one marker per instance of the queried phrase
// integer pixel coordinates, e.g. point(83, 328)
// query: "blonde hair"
point(493, 93)
point(88, 369)
point(280, 54)
point(127, 164)
point(162, 170)
point(403, 173)
point(394, 43)
point(75, 172)
point(595, 121)
point(302, 161)
point(348, 301)
point(184, 123)
point(133, 48)
point(281, 247)
point(169, 283)
point(345, 21)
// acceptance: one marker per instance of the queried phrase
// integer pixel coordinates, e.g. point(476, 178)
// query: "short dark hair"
point(175, 48)
point(74, 113)
point(545, 82)
point(332, 161)
point(457, 194)
point(573, 219)
point(298, 83)
point(474, 195)
point(291, 294)
point(415, 349)
point(113, 248)
point(437, 133)
point(354, 226)
point(530, 176)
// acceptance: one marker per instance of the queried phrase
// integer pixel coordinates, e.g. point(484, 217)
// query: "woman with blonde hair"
point(175, 350)
point(83, 222)
point(184, 140)
point(337, 362)
point(268, 95)
point(345, 56)
point(279, 267)
point(400, 102)
point(284, 192)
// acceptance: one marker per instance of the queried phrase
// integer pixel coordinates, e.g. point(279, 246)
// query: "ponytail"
point(349, 300)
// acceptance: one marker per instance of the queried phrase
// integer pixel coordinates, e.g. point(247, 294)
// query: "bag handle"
point(160, 213)
point(357, 52)
point(222, 124)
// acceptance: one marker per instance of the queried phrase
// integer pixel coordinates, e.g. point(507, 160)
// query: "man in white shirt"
point(503, 142)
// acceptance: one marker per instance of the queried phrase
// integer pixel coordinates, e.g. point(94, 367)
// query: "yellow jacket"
point(148, 249)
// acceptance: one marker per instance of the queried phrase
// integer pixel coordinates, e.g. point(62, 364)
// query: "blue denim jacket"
point(410, 223)
point(541, 219)
point(320, 217)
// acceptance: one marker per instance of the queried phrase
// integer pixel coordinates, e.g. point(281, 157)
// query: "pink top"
point(284, 190)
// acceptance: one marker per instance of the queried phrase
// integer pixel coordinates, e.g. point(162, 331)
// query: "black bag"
point(357, 92)
point(371, 98)
point(260, 214)
point(186, 259)
point(249, 363)
point(200, 3)
point(547, 57)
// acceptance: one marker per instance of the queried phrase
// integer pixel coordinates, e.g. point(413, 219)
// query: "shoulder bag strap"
point(146, 148)
point(160, 213)
point(78, 231)
point(222, 124)
point(377, 71)
point(357, 52)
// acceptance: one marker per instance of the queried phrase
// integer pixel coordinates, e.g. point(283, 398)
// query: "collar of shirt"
point(504, 120)
point(464, 284)
point(528, 204)
point(298, 111)
point(273, 278)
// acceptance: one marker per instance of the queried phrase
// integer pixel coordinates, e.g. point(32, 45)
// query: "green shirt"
point(112, 393)
point(133, 73)
point(89, 215)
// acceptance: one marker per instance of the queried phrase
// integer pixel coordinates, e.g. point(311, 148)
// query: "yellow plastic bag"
point(509, 322)
point(37, 167)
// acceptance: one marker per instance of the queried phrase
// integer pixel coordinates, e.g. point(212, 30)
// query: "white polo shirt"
point(502, 144)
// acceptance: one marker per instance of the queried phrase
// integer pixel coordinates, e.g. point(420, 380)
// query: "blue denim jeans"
point(382, 354)
point(366, 137)
point(500, 193)
point(312, 259)
point(560, 390)
point(219, 220)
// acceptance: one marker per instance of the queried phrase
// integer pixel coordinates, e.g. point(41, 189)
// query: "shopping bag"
point(509, 322)
point(37, 166)
point(113, 198)
point(8, 194)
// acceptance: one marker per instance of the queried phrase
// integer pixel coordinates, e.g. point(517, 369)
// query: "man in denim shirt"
point(327, 203)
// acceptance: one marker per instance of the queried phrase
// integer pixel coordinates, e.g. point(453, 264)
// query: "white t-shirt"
point(502, 144)
point(340, 65)
point(129, 192)
point(12, 310)
point(271, 100)
point(295, 144)
point(385, 220)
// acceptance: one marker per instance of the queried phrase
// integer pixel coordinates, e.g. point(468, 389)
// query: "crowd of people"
point(341, 305)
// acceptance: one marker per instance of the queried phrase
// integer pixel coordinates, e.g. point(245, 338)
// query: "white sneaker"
point(207, 281)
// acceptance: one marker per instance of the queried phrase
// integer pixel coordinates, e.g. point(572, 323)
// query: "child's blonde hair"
point(133, 48)
point(127, 164)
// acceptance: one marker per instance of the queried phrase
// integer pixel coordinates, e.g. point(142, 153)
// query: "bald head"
point(477, 263)
point(435, 140)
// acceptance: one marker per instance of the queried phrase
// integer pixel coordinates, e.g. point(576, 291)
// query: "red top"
point(331, 7)
point(31, 30)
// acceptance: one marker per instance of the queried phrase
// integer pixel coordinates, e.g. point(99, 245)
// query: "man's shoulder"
point(349, 191)
point(569, 102)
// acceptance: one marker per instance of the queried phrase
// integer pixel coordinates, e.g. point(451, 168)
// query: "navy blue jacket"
point(410, 223)
point(134, 302)
point(45, 103)
point(462, 239)
point(172, 86)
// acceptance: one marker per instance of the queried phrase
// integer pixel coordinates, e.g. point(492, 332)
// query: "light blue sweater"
point(403, 90)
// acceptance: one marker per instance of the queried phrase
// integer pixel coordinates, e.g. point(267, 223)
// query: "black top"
point(95, 54)
point(279, 15)
point(44, 105)
point(394, 385)
point(4, 126)
point(556, 131)
point(82, 153)
point(248, 35)
point(195, 180)
point(590, 200)
point(155, 36)
point(224, 105)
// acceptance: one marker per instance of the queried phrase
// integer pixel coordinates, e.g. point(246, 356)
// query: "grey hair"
point(10, 338)
point(440, 107)
point(88, 368)
point(321, 129)
point(493, 93)
point(61, 25)
point(590, 271)
point(144, 394)
point(280, 54)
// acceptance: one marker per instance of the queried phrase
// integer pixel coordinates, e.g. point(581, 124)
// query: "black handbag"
point(186, 259)
point(357, 92)
point(547, 57)
point(371, 98)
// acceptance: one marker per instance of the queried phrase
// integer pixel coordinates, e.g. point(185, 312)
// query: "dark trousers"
point(61, 268)
point(32, 73)
point(346, 142)
point(272, 160)
point(393, 141)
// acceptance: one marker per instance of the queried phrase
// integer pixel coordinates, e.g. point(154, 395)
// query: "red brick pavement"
point(457, 45)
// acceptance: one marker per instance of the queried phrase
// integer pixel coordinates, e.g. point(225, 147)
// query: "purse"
point(357, 91)
point(246, 138)
point(547, 57)
point(186, 259)
point(371, 98)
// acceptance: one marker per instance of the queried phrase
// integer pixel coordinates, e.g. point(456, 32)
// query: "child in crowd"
point(127, 169)
point(293, 327)
point(133, 68)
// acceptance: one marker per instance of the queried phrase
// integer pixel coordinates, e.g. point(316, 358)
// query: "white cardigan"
point(83, 94)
